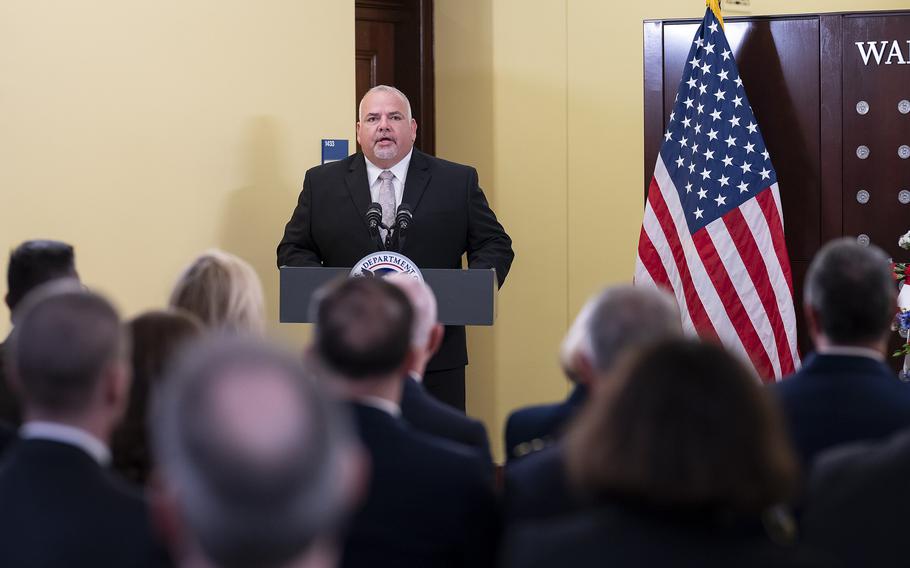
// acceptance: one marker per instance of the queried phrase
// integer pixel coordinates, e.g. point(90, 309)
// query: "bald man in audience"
point(430, 501)
point(59, 503)
point(257, 466)
point(621, 319)
point(420, 409)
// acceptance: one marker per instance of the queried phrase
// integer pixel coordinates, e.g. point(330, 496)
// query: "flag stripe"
point(732, 305)
point(770, 203)
point(663, 256)
point(694, 304)
point(774, 292)
point(650, 262)
point(745, 291)
point(744, 264)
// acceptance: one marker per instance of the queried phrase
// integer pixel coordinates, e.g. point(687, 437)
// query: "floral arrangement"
point(902, 320)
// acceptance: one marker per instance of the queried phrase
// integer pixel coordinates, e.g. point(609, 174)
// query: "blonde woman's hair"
point(223, 291)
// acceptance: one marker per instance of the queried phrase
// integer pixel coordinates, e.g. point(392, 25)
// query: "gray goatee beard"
point(386, 153)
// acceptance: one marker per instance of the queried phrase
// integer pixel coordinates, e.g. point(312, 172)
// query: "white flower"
point(904, 241)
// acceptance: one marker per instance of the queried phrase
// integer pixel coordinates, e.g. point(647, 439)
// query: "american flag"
point(713, 230)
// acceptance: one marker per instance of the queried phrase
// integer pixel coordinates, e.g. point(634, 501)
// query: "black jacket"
point(858, 503)
point(430, 502)
point(428, 415)
point(58, 507)
point(533, 428)
point(451, 217)
point(837, 399)
point(621, 536)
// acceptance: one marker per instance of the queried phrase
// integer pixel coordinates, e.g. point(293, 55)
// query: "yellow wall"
point(545, 98)
point(145, 132)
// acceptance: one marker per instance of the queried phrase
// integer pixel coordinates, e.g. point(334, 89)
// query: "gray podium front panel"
point(464, 297)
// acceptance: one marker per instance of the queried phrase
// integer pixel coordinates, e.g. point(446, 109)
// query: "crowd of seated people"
point(186, 436)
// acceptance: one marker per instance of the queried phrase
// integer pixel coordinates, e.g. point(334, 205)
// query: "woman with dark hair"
point(680, 453)
point(156, 337)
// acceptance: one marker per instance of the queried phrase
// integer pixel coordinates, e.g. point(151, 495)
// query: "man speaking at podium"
point(451, 216)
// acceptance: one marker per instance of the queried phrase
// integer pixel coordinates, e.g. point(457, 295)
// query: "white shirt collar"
point(399, 170)
point(56, 432)
point(851, 351)
point(382, 404)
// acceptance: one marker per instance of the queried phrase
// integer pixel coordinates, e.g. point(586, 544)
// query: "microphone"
point(402, 223)
point(374, 221)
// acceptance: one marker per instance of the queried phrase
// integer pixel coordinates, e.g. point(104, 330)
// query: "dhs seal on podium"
point(385, 263)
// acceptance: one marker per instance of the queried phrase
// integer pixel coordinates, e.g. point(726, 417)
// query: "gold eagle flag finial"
point(715, 7)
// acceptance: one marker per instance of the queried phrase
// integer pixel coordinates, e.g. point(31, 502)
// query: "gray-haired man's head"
point(619, 318)
point(256, 457)
point(850, 293)
point(67, 354)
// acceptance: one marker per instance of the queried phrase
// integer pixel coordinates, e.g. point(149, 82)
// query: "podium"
point(464, 297)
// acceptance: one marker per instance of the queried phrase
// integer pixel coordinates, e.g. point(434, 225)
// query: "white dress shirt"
point(56, 432)
point(379, 403)
point(399, 170)
point(852, 351)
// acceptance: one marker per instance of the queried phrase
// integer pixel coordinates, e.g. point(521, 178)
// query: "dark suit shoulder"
point(608, 536)
point(430, 416)
point(527, 425)
point(866, 457)
point(82, 514)
point(532, 428)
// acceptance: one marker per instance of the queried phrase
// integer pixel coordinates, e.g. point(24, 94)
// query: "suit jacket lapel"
point(359, 186)
point(418, 177)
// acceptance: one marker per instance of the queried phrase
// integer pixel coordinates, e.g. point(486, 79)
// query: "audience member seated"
point(858, 503)
point(7, 436)
point(533, 428)
point(31, 264)
point(60, 504)
point(680, 452)
point(845, 392)
point(420, 409)
point(223, 291)
point(157, 336)
point(430, 501)
point(621, 318)
point(257, 466)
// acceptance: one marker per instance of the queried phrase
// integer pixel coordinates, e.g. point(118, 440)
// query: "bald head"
point(626, 317)
point(424, 304)
point(254, 452)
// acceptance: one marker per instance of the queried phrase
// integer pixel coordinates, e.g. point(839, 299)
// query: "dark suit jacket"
point(836, 399)
point(60, 508)
point(430, 501)
point(451, 217)
point(531, 428)
point(621, 536)
point(10, 409)
point(428, 415)
point(859, 503)
point(537, 487)
point(7, 436)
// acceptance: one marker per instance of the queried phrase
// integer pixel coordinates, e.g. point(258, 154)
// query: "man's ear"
point(812, 321)
point(409, 359)
point(115, 386)
point(435, 340)
point(585, 372)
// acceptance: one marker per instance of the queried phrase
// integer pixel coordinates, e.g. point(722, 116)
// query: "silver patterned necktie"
point(387, 200)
